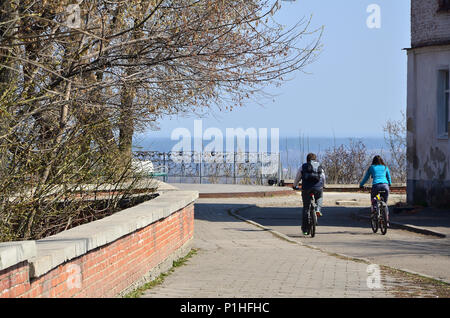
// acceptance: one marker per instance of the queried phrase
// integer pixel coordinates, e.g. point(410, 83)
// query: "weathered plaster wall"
point(428, 153)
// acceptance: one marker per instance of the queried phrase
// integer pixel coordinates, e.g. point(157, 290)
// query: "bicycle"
point(378, 219)
point(312, 216)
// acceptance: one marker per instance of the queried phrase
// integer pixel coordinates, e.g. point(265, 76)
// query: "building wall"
point(428, 153)
point(428, 25)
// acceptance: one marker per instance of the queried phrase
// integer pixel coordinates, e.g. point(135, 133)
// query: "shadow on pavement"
point(428, 217)
point(338, 216)
point(335, 220)
point(340, 232)
point(292, 216)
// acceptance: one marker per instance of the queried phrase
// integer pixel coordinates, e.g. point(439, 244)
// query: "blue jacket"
point(379, 174)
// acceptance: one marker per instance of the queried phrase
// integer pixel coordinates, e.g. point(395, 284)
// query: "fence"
point(215, 167)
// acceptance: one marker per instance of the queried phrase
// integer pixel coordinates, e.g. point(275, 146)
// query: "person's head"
point(311, 157)
point(377, 160)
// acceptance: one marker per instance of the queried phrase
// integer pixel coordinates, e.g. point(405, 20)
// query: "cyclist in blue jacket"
point(381, 180)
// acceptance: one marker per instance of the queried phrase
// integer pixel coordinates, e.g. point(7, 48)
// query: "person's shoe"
point(305, 233)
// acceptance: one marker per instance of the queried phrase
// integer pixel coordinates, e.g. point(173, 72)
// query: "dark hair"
point(311, 157)
point(377, 160)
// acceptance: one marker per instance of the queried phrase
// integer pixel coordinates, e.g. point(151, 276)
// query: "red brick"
point(18, 290)
point(5, 283)
point(113, 267)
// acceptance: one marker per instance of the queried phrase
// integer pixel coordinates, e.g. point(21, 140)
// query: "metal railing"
point(216, 167)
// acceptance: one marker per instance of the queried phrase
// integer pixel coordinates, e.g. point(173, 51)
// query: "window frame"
point(444, 6)
point(447, 99)
point(443, 103)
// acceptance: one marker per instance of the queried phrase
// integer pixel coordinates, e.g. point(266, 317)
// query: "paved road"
point(237, 259)
point(338, 232)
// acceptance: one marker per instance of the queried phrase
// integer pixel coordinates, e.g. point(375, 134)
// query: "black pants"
point(306, 198)
point(376, 188)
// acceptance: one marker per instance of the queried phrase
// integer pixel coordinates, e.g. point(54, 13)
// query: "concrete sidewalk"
point(239, 259)
point(236, 259)
point(340, 232)
point(437, 220)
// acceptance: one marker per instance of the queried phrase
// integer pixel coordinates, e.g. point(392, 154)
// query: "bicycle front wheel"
point(374, 221)
point(312, 221)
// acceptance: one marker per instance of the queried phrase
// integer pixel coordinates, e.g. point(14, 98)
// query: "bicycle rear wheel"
point(383, 220)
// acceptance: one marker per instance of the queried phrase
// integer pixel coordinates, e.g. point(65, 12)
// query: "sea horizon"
point(307, 144)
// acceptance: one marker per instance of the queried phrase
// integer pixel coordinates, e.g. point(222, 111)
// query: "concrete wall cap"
point(57, 249)
point(12, 253)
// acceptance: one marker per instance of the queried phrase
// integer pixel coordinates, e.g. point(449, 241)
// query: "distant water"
point(293, 150)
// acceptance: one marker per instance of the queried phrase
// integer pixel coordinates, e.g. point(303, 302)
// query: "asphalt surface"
point(236, 258)
point(340, 232)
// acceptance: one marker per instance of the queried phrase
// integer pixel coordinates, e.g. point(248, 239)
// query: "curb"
point(407, 227)
point(234, 213)
point(256, 194)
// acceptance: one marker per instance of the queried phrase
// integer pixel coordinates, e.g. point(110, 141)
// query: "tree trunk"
point(126, 123)
point(8, 12)
point(63, 118)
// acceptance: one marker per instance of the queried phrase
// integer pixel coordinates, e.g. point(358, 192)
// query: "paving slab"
point(340, 232)
point(238, 259)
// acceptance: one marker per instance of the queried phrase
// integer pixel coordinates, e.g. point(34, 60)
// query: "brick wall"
point(107, 270)
point(428, 26)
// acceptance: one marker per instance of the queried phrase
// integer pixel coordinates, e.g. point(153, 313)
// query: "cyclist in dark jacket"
point(310, 185)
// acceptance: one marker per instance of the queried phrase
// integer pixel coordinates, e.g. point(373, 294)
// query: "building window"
point(444, 5)
point(443, 103)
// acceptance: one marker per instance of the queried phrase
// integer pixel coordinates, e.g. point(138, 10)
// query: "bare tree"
point(346, 164)
point(395, 136)
point(178, 56)
point(76, 84)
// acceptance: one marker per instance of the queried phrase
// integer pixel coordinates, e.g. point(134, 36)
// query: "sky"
point(357, 83)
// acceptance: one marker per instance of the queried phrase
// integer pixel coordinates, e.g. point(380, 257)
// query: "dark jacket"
point(307, 185)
